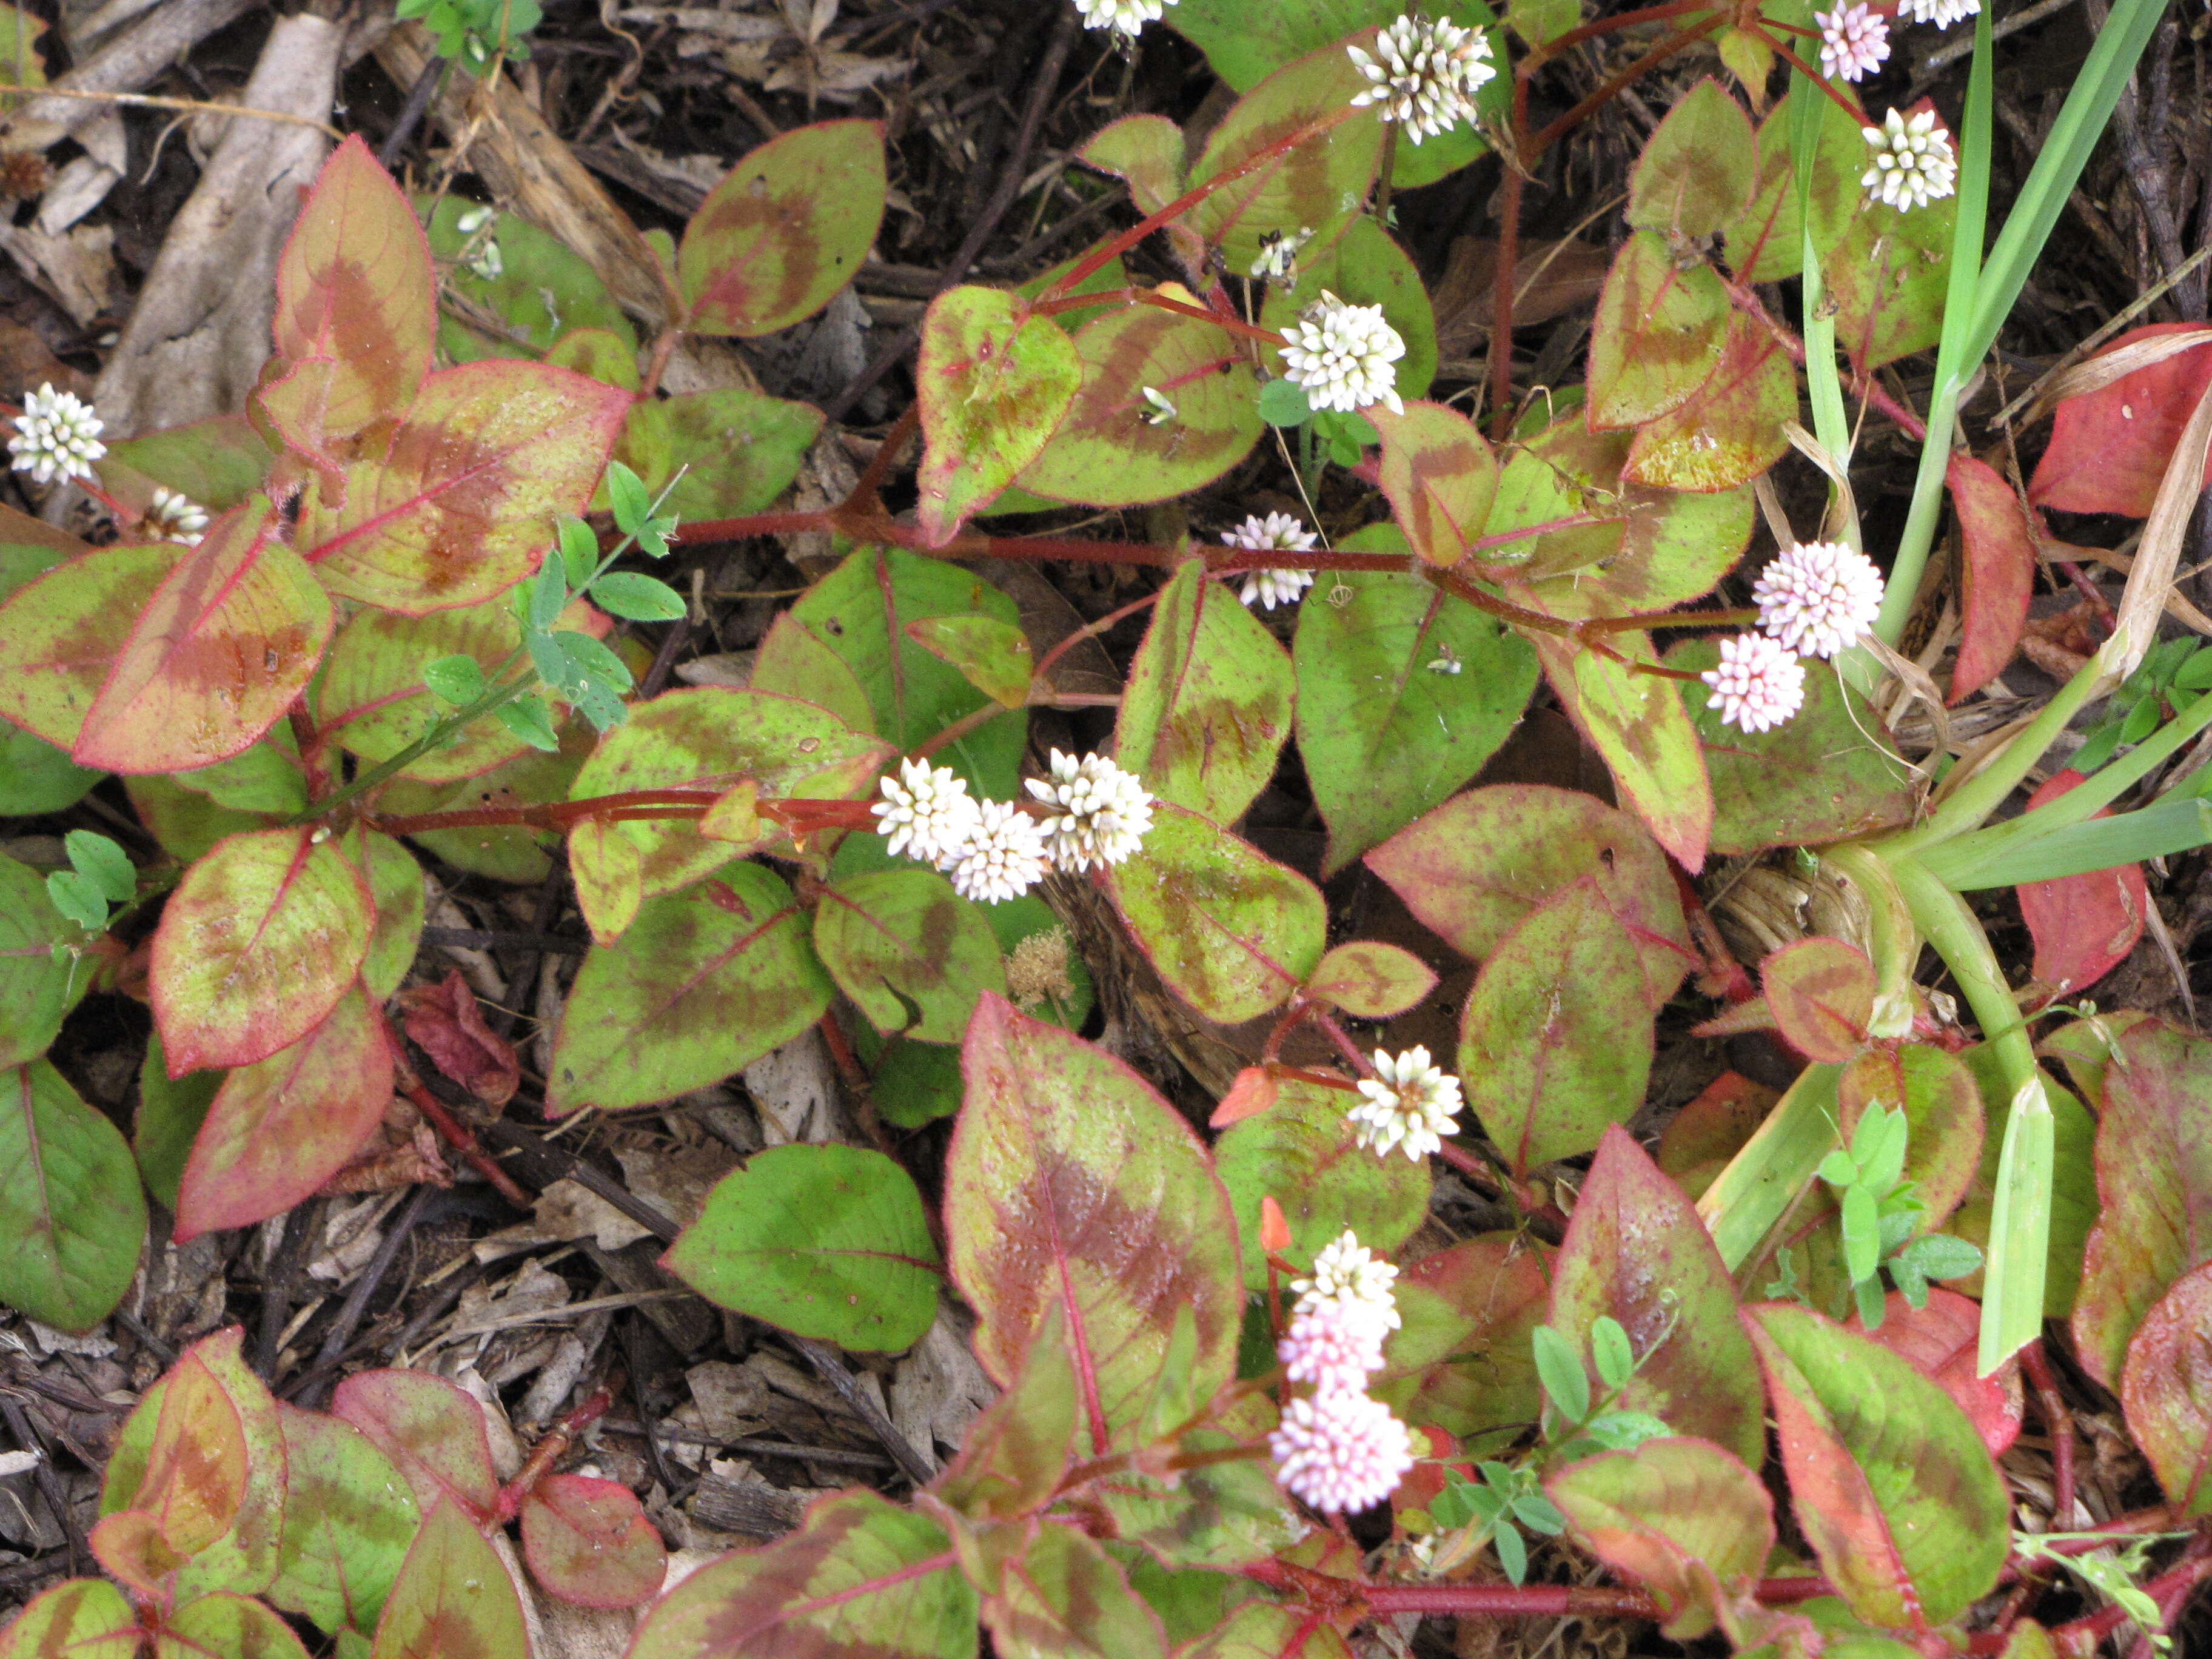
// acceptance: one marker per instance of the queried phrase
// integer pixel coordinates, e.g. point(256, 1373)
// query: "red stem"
point(2058, 1423)
point(1627, 20)
point(1557, 1601)
point(1153, 297)
point(548, 1451)
point(456, 1135)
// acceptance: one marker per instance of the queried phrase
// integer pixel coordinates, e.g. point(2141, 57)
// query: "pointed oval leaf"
point(1635, 1252)
point(588, 1541)
point(1231, 930)
point(236, 1626)
point(280, 1127)
point(1696, 173)
point(69, 1202)
point(432, 1431)
point(899, 940)
point(1440, 476)
point(1016, 1452)
point(827, 1241)
point(256, 946)
point(1479, 1381)
point(1065, 1598)
point(786, 229)
point(1888, 276)
point(61, 635)
point(1661, 326)
point(1069, 1178)
point(699, 985)
point(83, 1618)
point(194, 1482)
point(452, 1598)
point(1637, 724)
point(1730, 430)
point(1554, 1032)
point(1892, 1485)
point(1939, 1340)
point(1372, 980)
point(1999, 570)
point(1821, 994)
point(37, 987)
point(994, 384)
point(2083, 926)
point(993, 656)
point(2166, 1390)
point(396, 889)
point(348, 1522)
point(2109, 448)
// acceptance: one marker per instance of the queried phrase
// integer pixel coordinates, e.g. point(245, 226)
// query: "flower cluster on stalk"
point(1343, 355)
point(1124, 17)
point(1340, 1449)
point(1424, 74)
point(1279, 532)
point(1409, 1104)
point(1814, 599)
point(1095, 814)
point(1912, 163)
point(56, 436)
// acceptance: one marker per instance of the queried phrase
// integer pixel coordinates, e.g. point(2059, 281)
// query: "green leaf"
point(1610, 1351)
point(1512, 1551)
point(545, 292)
point(637, 598)
point(904, 946)
point(1283, 403)
point(71, 1200)
point(105, 863)
point(548, 595)
point(1861, 1238)
point(84, 1618)
point(226, 1622)
point(266, 778)
point(61, 635)
point(170, 1113)
point(528, 718)
point(1560, 1369)
point(348, 1522)
point(1696, 173)
point(1658, 335)
point(1016, 1452)
point(825, 1240)
point(217, 462)
point(432, 1431)
point(80, 900)
point(699, 985)
point(740, 450)
point(456, 679)
point(627, 493)
point(993, 656)
point(1371, 979)
point(452, 1595)
point(37, 778)
point(995, 382)
point(785, 230)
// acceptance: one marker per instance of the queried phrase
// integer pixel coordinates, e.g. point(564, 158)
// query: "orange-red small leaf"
point(1821, 994)
point(2109, 448)
point(432, 1433)
point(2000, 571)
point(587, 1542)
point(1252, 1093)
point(445, 1022)
point(1274, 1227)
point(2083, 926)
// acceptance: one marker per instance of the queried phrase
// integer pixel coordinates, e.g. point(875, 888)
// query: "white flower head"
point(1345, 1270)
point(1162, 411)
point(1912, 164)
point(1124, 17)
point(1942, 13)
point(1279, 532)
point(176, 518)
point(1424, 75)
point(1759, 685)
point(1342, 355)
point(56, 436)
point(926, 812)
point(1004, 856)
point(1101, 813)
point(1817, 598)
point(1341, 1451)
point(1332, 1345)
point(1409, 1102)
point(1854, 40)
point(1279, 254)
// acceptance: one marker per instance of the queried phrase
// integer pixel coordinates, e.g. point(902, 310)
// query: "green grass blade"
point(1749, 1196)
point(2156, 832)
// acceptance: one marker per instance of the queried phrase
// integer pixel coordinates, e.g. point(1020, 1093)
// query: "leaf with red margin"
point(1942, 1104)
point(432, 1430)
point(1011, 1461)
point(60, 635)
point(1659, 330)
point(1892, 1485)
point(587, 1542)
point(1261, 1629)
point(1372, 980)
point(2083, 926)
point(235, 1626)
point(1685, 1518)
point(83, 1618)
point(1697, 172)
point(445, 1021)
point(908, 951)
point(1475, 867)
point(1637, 1252)
point(281, 1126)
point(995, 383)
point(1554, 1030)
point(1071, 1179)
point(861, 1576)
point(1440, 477)
point(1496, 1286)
point(2109, 448)
point(1730, 430)
point(1820, 991)
point(1063, 1597)
point(461, 504)
point(1939, 1342)
point(452, 1598)
point(347, 1522)
point(1637, 724)
point(355, 284)
point(2153, 1188)
point(226, 643)
point(2166, 1388)
point(1701, 1139)
point(1999, 568)
point(256, 944)
point(193, 1487)
point(786, 229)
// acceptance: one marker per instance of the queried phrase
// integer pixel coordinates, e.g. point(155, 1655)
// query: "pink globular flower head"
point(1817, 597)
point(1854, 40)
point(1759, 684)
point(1341, 1451)
point(1333, 1344)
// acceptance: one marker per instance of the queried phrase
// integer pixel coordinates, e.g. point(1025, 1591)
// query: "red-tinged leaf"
point(1372, 980)
point(608, 873)
point(2109, 448)
point(396, 888)
point(1208, 703)
point(1440, 477)
point(1731, 430)
point(1685, 1518)
point(296, 406)
point(1496, 1286)
point(993, 656)
point(346, 1525)
point(1820, 991)
point(1697, 172)
point(1892, 1485)
point(1274, 1227)
point(2153, 1188)
point(71, 1210)
point(1554, 1032)
point(1106, 452)
point(195, 1476)
point(61, 633)
point(256, 946)
point(1070, 1178)
point(461, 504)
point(1480, 864)
point(2000, 572)
point(1063, 1597)
point(701, 985)
point(1939, 1342)
point(1638, 724)
point(861, 1576)
point(2083, 926)
point(355, 284)
point(1261, 1629)
point(129, 1546)
point(2166, 1388)
point(452, 1598)
point(995, 383)
point(1016, 1452)
point(1233, 932)
point(910, 952)
point(432, 1433)
point(1637, 1251)
point(1889, 270)
point(587, 1542)
point(281, 1126)
point(1658, 337)
point(1252, 1091)
point(1701, 1139)
point(1943, 1108)
point(446, 1023)
point(226, 642)
point(81, 1617)
point(236, 1627)
point(786, 229)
